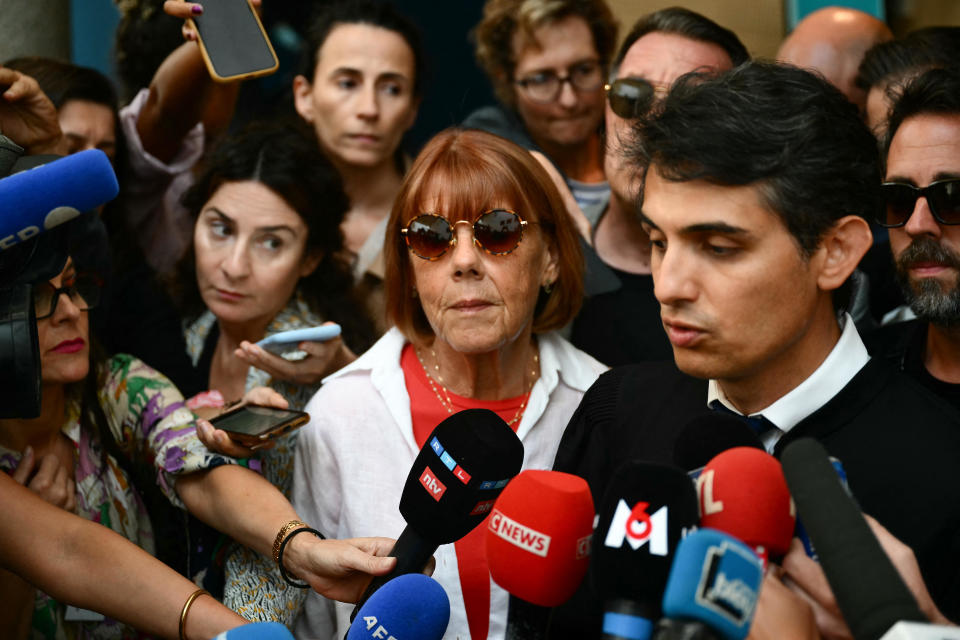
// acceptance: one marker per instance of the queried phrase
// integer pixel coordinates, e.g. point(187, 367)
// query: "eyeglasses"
point(544, 86)
point(630, 97)
point(943, 198)
point(83, 291)
point(497, 232)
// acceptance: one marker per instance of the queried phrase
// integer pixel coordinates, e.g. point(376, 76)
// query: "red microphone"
point(538, 536)
point(742, 492)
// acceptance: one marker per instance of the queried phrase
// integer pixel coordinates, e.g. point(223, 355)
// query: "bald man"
point(833, 41)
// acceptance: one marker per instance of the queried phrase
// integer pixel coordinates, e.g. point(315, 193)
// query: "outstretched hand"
point(339, 569)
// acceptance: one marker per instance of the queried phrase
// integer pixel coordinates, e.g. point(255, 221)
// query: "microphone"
point(867, 587)
point(743, 492)
point(715, 580)
point(645, 511)
point(455, 480)
point(409, 606)
point(47, 195)
point(257, 631)
point(921, 631)
point(708, 435)
point(538, 537)
point(538, 545)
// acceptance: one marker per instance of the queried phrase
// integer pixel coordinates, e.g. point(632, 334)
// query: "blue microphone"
point(257, 631)
point(40, 198)
point(409, 606)
point(715, 580)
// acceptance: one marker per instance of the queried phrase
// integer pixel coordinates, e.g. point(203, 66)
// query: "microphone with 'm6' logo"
point(645, 512)
point(455, 480)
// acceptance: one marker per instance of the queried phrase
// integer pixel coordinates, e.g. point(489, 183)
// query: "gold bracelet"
point(284, 530)
point(186, 609)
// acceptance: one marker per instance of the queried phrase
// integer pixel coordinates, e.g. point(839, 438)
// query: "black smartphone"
point(233, 42)
point(251, 424)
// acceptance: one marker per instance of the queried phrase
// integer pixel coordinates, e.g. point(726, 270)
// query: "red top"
point(427, 412)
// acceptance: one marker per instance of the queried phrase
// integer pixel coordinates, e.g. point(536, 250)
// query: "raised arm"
point(182, 93)
point(92, 567)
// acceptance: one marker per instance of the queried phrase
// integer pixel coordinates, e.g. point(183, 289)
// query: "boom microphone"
point(40, 198)
point(409, 606)
point(742, 492)
point(715, 580)
point(455, 480)
point(646, 510)
point(869, 591)
point(708, 435)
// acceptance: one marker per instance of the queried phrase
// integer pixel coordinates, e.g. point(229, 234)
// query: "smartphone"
point(233, 42)
point(285, 341)
point(251, 425)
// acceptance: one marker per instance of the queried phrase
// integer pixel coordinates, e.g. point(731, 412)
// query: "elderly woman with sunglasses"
point(483, 264)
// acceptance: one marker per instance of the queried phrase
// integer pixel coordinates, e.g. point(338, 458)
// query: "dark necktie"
point(760, 425)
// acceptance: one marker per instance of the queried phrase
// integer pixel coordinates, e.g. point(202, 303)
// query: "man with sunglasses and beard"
point(921, 193)
point(620, 319)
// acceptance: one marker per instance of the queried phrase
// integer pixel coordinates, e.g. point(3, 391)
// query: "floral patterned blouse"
point(253, 586)
point(151, 425)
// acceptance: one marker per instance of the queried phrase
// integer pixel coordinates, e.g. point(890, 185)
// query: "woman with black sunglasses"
point(483, 266)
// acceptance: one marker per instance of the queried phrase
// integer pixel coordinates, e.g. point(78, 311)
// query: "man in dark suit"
point(755, 200)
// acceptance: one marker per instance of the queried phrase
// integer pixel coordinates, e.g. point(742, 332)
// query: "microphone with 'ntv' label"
point(455, 480)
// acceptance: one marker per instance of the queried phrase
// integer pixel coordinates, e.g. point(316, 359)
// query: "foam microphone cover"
point(710, 434)
point(715, 580)
point(409, 606)
point(742, 491)
point(645, 511)
point(538, 536)
point(257, 631)
point(458, 475)
point(44, 196)
point(867, 587)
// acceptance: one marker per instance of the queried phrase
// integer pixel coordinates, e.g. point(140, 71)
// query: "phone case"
point(283, 341)
point(239, 76)
point(298, 420)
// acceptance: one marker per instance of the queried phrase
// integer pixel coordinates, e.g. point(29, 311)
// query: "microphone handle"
point(526, 621)
point(412, 552)
point(670, 629)
point(625, 619)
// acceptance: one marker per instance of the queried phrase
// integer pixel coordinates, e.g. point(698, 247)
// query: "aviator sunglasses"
point(900, 200)
point(498, 231)
point(630, 98)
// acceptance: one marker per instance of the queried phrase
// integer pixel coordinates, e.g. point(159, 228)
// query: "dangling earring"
point(413, 293)
point(548, 288)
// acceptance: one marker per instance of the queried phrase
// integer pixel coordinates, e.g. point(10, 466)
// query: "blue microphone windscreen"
point(409, 606)
point(257, 631)
point(715, 579)
point(40, 198)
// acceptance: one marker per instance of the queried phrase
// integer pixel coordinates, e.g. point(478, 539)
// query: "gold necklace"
point(444, 399)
